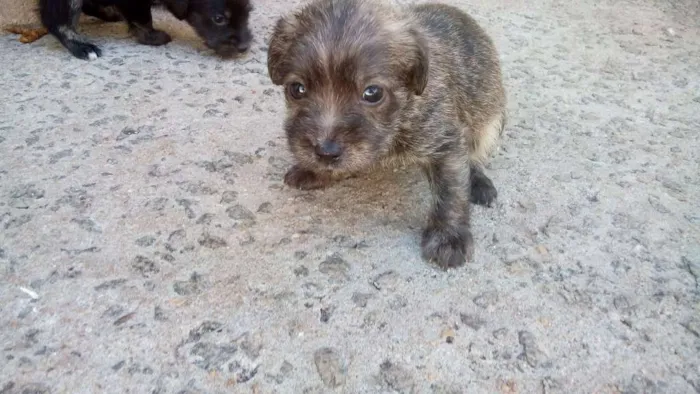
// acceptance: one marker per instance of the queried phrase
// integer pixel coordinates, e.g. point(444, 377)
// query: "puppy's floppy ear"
point(278, 51)
point(178, 7)
point(417, 75)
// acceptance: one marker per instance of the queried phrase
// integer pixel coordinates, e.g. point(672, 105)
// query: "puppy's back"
point(468, 60)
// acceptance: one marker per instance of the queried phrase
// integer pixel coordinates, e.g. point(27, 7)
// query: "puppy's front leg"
point(447, 239)
point(138, 15)
point(303, 179)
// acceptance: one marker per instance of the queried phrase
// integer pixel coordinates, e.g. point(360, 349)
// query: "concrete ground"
point(147, 244)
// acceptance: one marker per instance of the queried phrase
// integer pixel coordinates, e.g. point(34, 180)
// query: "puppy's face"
point(347, 76)
point(223, 24)
point(341, 116)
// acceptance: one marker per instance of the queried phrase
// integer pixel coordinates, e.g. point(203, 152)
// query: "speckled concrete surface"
point(147, 244)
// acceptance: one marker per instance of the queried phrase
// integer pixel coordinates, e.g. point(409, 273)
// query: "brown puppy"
point(368, 83)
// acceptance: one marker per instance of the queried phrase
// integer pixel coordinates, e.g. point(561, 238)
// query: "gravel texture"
point(147, 244)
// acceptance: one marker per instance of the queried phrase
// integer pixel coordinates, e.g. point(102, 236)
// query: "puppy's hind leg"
point(138, 15)
point(60, 17)
point(107, 14)
point(483, 192)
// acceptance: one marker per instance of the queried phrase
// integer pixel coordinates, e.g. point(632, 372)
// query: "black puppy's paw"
point(482, 190)
point(84, 50)
point(300, 178)
point(447, 247)
point(152, 37)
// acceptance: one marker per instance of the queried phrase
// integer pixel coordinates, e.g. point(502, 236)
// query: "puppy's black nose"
point(328, 151)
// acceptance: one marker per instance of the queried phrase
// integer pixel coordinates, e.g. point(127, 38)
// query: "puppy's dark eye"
point(373, 94)
point(297, 90)
point(219, 19)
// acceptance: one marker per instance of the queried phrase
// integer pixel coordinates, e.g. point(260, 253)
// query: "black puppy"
point(222, 24)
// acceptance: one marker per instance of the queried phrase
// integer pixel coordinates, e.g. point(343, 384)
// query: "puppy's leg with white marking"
point(60, 17)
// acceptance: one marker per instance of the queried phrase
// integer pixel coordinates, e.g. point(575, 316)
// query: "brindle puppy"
point(367, 83)
point(223, 24)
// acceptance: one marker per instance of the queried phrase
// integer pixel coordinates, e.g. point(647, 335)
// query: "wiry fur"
point(443, 106)
point(227, 37)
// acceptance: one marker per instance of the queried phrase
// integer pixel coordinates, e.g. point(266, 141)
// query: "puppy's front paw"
point(153, 37)
point(300, 178)
point(446, 247)
point(84, 50)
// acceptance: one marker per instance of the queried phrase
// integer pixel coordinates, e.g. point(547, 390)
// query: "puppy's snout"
point(243, 39)
point(328, 151)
